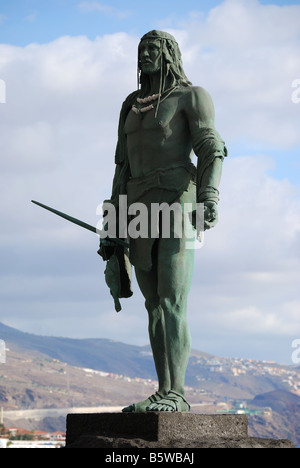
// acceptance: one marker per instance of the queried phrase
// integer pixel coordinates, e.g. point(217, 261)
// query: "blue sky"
point(26, 21)
point(67, 66)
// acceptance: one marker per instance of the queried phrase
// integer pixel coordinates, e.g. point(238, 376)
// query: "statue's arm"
point(209, 148)
point(121, 177)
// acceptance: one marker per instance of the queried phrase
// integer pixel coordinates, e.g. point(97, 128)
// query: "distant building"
point(18, 432)
point(241, 408)
point(41, 435)
point(58, 436)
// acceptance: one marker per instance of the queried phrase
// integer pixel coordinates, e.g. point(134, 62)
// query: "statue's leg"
point(175, 276)
point(148, 284)
point(175, 270)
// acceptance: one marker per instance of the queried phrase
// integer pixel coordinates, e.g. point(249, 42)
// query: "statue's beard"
point(150, 68)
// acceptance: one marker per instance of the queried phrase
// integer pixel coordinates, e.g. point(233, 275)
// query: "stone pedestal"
point(163, 430)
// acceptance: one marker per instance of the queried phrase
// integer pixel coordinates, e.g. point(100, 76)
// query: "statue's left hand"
point(210, 215)
point(209, 219)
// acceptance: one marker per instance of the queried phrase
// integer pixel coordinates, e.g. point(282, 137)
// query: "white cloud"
point(247, 55)
point(58, 134)
point(246, 276)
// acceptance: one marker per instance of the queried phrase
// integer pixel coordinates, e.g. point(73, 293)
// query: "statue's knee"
point(171, 305)
point(152, 304)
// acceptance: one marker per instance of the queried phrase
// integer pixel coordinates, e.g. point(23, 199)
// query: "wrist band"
point(208, 193)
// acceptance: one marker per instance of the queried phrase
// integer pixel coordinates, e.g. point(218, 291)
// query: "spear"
point(79, 223)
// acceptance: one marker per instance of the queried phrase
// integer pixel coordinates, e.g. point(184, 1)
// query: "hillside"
point(48, 372)
point(99, 354)
point(285, 414)
point(223, 377)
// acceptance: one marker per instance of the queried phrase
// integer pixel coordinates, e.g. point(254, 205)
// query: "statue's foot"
point(173, 402)
point(141, 407)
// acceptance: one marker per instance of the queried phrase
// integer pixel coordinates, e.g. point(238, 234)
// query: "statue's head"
point(159, 52)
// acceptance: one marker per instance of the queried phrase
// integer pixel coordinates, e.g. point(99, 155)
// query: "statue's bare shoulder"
point(198, 105)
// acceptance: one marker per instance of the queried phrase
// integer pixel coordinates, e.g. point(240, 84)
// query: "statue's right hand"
point(107, 243)
point(106, 249)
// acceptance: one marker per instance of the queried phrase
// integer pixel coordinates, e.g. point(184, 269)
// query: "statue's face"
point(150, 56)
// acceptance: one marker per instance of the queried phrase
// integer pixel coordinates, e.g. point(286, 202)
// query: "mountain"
point(221, 377)
point(99, 354)
point(285, 408)
point(55, 372)
point(278, 401)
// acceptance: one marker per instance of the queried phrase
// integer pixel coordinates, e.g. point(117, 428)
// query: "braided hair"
point(172, 73)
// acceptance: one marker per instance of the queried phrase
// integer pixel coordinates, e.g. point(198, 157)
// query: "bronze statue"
point(161, 125)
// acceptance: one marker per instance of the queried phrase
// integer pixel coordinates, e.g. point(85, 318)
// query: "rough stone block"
point(160, 427)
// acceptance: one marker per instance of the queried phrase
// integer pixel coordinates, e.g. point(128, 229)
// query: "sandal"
point(173, 402)
point(141, 407)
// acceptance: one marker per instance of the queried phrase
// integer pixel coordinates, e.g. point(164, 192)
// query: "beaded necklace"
point(139, 109)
